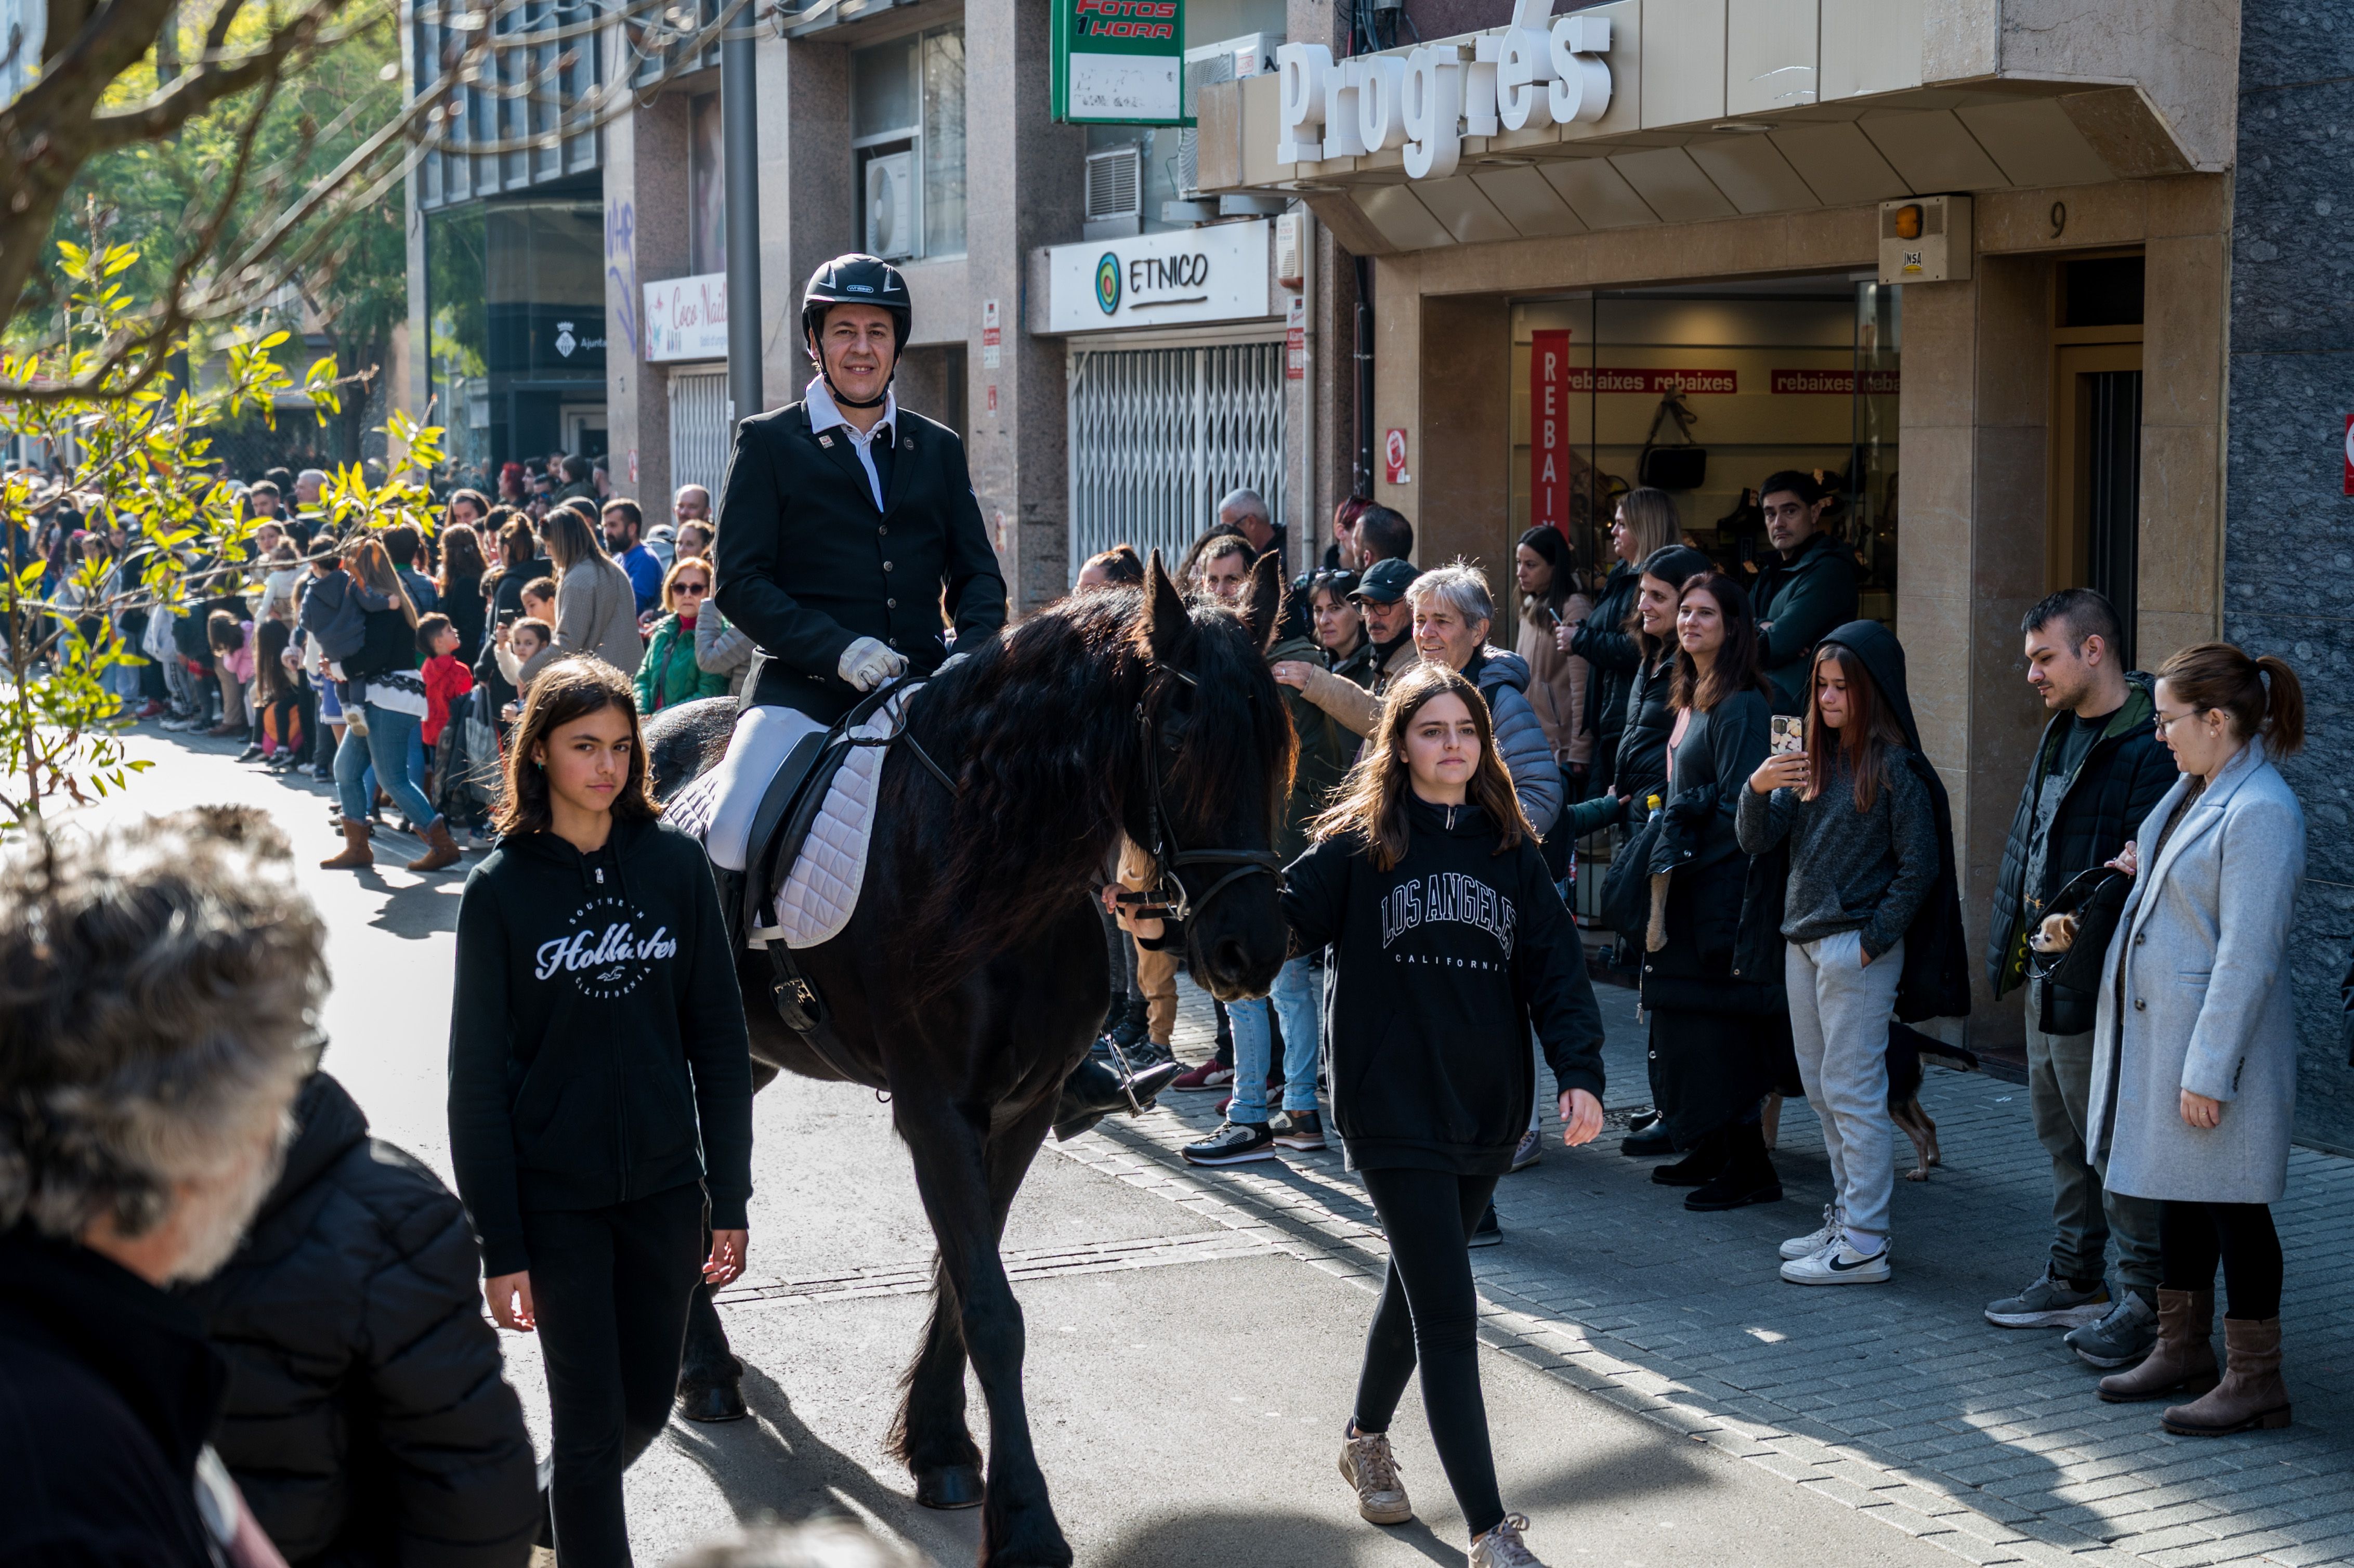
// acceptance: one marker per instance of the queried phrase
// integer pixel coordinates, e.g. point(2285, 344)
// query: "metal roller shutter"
point(699, 439)
point(1157, 435)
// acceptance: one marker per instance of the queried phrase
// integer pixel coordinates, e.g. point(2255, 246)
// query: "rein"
point(1167, 898)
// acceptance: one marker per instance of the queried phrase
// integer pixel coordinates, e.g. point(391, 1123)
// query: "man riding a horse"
point(847, 525)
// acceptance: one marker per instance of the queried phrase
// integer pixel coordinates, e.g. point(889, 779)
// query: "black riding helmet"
point(855, 279)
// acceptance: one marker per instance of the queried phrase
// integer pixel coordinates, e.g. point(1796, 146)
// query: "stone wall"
point(2288, 527)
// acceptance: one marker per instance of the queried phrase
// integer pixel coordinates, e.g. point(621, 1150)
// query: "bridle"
point(1167, 898)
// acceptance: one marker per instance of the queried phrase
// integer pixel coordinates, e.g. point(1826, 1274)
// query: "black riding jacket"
point(806, 566)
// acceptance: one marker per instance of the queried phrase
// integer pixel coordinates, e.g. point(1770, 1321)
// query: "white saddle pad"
point(821, 893)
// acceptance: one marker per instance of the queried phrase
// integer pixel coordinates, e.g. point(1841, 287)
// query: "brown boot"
point(2183, 1358)
point(2252, 1393)
point(440, 849)
point(356, 855)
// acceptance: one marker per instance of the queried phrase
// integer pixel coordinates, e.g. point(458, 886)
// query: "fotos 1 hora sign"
point(1118, 62)
point(1541, 70)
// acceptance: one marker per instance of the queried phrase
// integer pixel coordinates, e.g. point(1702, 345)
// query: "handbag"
point(1682, 467)
point(2071, 981)
point(1627, 886)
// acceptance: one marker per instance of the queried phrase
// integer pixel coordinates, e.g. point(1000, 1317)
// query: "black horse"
point(972, 977)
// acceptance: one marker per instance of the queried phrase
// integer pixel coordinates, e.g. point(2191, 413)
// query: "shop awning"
point(1714, 112)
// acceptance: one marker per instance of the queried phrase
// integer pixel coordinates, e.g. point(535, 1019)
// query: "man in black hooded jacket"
point(368, 1421)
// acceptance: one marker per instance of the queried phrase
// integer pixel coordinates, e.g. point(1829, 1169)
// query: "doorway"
point(2095, 503)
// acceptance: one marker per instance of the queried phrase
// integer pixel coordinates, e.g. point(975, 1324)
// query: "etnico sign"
point(1217, 272)
point(1120, 62)
point(1541, 70)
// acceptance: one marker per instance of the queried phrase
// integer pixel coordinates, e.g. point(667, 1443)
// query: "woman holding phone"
point(1862, 833)
point(601, 1087)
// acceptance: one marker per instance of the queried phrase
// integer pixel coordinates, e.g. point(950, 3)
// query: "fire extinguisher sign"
point(1393, 458)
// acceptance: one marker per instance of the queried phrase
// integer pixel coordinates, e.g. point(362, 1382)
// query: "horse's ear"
point(1262, 608)
point(1166, 625)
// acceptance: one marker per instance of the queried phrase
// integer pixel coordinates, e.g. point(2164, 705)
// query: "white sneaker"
point(1840, 1264)
point(1502, 1546)
point(1814, 1241)
point(1367, 1463)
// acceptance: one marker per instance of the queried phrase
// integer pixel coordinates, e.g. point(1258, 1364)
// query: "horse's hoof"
point(952, 1485)
point(712, 1402)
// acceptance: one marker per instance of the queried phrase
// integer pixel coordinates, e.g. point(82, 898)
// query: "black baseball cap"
point(1386, 582)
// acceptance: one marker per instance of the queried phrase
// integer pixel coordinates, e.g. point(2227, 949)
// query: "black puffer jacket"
point(1604, 642)
point(2121, 780)
point(367, 1421)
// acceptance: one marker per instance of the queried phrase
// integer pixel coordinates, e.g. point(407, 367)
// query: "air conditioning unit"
point(1249, 55)
point(1924, 239)
point(1116, 192)
point(890, 206)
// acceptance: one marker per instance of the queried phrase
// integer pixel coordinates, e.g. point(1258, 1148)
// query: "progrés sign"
point(1541, 70)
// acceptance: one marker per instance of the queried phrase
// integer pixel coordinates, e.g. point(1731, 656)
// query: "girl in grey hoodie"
point(1862, 836)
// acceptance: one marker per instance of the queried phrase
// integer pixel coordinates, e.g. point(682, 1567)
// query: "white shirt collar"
point(824, 414)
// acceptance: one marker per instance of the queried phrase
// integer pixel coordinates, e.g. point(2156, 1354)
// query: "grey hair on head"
point(159, 983)
point(1247, 502)
point(1460, 586)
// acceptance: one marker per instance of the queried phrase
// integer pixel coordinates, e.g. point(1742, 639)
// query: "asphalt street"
point(1187, 1391)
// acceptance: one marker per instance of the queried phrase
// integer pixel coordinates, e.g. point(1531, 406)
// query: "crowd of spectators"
point(392, 666)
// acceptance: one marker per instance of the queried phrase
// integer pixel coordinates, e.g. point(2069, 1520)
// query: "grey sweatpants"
point(1839, 1008)
point(2084, 1215)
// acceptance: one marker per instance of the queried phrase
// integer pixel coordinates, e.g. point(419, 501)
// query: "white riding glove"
point(867, 664)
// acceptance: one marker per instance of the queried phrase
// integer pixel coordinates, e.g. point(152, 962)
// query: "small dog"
point(2057, 934)
point(1906, 1046)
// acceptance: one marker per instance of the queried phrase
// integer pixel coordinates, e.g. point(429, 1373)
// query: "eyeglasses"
point(686, 588)
point(2165, 721)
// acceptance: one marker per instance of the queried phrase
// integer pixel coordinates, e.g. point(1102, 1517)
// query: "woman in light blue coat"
point(2194, 1065)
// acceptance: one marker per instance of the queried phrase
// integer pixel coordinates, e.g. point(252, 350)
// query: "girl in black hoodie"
point(1448, 941)
point(600, 1086)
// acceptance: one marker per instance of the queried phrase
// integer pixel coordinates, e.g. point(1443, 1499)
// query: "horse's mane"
point(1039, 729)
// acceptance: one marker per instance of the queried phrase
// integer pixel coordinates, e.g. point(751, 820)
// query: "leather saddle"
point(788, 807)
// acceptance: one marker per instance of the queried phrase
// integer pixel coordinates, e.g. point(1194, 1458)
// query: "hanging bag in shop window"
point(1680, 467)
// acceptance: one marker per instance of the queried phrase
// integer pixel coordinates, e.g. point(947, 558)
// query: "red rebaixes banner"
point(1549, 467)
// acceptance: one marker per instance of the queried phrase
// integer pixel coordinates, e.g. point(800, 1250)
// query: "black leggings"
point(2191, 1238)
point(1429, 1311)
point(611, 1288)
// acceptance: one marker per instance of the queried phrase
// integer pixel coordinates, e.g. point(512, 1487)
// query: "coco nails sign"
point(1541, 70)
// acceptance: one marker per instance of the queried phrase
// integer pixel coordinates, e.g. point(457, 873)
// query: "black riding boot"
point(1748, 1176)
point(1703, 1165)
point(1095, 1089)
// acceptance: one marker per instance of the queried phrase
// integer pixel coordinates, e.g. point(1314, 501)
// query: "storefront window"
point(906, 122)
point(1704, 392)
point(944, 142)
point(706, 240)
point(516, 326)
point(457, 338)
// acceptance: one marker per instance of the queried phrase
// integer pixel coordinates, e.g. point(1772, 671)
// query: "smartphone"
point(1789, 735)
point(509, 617)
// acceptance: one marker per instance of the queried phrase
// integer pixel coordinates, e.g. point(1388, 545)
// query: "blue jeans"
point(1293, 999)
point(387, 746)
point(415, 766)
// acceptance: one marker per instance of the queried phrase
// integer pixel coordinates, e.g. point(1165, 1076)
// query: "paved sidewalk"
point(1897, 1400)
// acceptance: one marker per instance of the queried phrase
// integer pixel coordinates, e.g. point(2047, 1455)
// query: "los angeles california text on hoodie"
point(595, 1029)
point(1440, 965)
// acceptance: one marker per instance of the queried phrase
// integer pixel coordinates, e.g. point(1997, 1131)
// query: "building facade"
point(2050, 294)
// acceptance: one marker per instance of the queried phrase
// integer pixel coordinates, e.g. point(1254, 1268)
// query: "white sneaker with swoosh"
point(1840, 1264)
